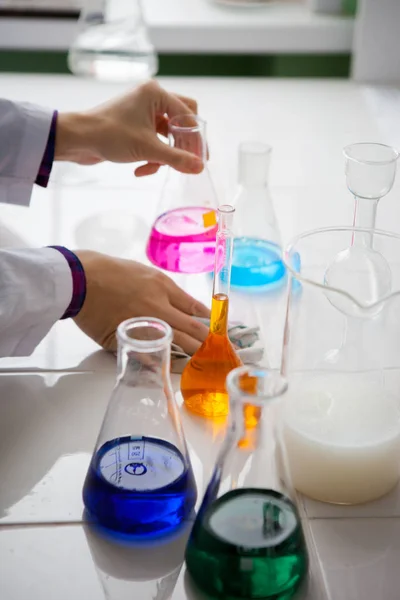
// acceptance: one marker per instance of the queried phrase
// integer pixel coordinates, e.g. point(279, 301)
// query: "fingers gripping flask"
point(247, 541)
point(182, 239)
point(140, 481)
point(203, 379)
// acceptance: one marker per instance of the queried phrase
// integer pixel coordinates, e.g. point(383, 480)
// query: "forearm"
point(75, 137)
point(24, 131)
point(31, 138)
point(37, 287)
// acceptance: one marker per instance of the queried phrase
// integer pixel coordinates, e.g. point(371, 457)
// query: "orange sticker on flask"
point(209, 218)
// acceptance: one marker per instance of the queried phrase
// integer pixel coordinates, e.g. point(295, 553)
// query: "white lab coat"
point(35, 284)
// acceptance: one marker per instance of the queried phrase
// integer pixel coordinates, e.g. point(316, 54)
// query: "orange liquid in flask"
point(203, 379)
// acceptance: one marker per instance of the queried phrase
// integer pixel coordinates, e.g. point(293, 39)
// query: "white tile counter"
point(52, 403)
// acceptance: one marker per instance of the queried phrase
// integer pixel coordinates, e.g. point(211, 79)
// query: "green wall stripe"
point(220, 65)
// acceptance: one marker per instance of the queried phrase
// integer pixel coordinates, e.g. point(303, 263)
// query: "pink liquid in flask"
point(183, 240)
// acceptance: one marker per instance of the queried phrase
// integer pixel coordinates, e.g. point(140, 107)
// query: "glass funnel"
point(182, 239)
point(341, 356)
point(257, 254)
point(247, 540)
point(203, 379)
point(112, 42)
point(140, 480)
point(370, 173)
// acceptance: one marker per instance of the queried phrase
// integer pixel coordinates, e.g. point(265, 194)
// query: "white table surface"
point(52, 403)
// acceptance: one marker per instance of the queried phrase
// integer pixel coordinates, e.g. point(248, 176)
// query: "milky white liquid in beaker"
point(183, 240)
point(343, 446)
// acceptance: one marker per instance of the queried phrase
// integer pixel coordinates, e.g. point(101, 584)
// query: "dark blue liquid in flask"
point(141, 485)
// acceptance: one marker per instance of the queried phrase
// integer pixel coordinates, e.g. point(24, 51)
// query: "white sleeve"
point(24, 130)
point(35, 291)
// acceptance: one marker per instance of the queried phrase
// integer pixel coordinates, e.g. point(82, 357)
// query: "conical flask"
point(203, 379)
point(140, 480)
point(257, 255)
point(112, 42)
point(247, 540)
point(182, 239)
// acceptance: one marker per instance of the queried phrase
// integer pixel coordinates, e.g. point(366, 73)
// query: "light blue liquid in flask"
point(140, 481)
point(257, 257)
point(256, 263)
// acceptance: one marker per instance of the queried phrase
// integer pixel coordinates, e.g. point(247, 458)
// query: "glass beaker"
point(182, 239)
point(370, 173)
point(112, 42)
point(341, 356)
point(257, 255)
point(203, 379)
point(140, 480)
point(247, 540)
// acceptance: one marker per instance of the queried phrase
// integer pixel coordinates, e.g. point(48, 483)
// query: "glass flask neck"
point(253, 386)
point(144, 351)
point(119, 11)
point(222, 270)
point(254, 161)
point(364, 218)
point(219, 314)
point(253, 389)
point(188, 132)
point(111, 11)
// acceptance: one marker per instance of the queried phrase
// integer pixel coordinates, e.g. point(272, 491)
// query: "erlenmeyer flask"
point(112, 42)
point(182, 238)
point(247, 540)
point(140, 480)
point(257, 255)
point(203, 379)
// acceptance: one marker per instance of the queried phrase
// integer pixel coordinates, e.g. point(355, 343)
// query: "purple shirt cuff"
point(43, 176)
point(78, 282)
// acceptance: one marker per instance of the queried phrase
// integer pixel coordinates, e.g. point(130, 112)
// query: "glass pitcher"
point(341, 356)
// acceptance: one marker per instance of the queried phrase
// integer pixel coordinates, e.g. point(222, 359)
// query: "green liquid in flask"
point(248, 544)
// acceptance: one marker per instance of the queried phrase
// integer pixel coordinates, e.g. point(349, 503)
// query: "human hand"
point(118, 289)
point(125, 130)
